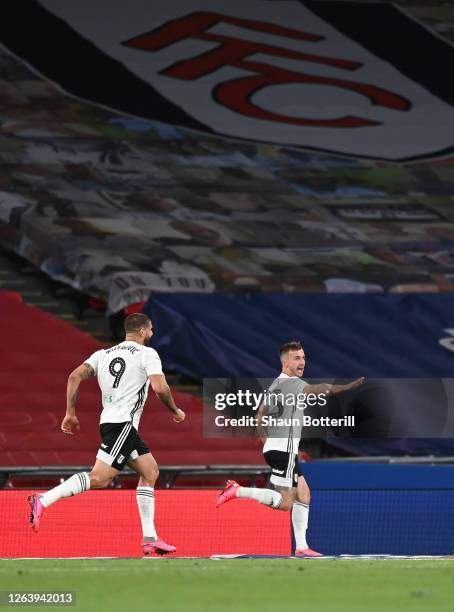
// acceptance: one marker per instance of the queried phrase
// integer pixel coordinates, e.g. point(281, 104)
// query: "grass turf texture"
point(243, 584)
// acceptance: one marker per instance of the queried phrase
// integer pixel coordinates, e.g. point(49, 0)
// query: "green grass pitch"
point(194, 585)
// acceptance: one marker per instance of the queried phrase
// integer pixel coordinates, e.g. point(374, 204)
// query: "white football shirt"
point(289, 443)
point(122, 372)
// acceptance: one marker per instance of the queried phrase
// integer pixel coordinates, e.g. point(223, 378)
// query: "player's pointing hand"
point(334, 389)
point(68, 423)
point(356, 383)
point(179, 416)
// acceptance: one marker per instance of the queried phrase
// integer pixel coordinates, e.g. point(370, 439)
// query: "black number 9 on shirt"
point(117, 368)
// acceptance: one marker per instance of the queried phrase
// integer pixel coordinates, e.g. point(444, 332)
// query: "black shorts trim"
point(285, 468)
point(120, 442)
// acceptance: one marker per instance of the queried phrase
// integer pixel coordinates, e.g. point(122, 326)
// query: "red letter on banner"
point(236, 94)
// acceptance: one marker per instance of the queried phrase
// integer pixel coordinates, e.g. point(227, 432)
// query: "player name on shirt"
point(123, 372)
point(122, 347)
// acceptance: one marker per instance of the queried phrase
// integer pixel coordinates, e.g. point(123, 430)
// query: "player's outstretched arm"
point(70, 421)
point(328, 389)
point(162, 390)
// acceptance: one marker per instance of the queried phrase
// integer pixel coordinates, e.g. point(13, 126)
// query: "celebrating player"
point(280, 449)
point(125, 372)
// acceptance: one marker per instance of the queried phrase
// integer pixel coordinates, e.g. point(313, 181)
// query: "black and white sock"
point(300, 518)
point(77, 483)
point(145, 503)
point(267, 497)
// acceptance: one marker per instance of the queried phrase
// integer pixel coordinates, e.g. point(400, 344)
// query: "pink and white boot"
point(37, 510)
point(158, 547)
point(229, 492)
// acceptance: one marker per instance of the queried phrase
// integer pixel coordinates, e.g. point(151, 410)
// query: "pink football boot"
point(157, 546)
point(307, 552)
point(37, 510)
point(228, 493)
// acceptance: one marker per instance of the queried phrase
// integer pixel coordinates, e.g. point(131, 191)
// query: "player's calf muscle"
point(101, 475)
point(303, 496)
point(99, 482)
point(148, 477)
point(288, 497)
point(147, 481)
point(303, 493)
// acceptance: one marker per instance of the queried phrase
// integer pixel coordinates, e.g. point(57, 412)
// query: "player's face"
point(295, 362)
point(148, 332)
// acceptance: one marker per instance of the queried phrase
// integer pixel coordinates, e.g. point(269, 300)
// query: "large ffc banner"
point(327, 76)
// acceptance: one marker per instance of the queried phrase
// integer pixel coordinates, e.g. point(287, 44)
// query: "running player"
point(280, 450)
point(124, 371)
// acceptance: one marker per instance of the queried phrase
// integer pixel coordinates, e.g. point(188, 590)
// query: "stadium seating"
point(41, 352)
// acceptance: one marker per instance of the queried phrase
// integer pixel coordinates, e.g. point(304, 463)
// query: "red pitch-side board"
point(107, 524)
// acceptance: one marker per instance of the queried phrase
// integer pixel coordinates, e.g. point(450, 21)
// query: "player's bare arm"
point(329, 389)
point(81, 373)
point(163, 393)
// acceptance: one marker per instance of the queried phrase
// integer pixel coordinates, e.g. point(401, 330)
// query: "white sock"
point(300, 518)
point(268, 497)
point(145, 502)
point(77, 483)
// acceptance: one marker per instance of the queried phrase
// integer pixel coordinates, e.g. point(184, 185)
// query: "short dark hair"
point(293, 345)
point(134, 322)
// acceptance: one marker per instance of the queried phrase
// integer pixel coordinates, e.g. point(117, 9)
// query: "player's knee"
point(150, 478)
point(155, 473)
